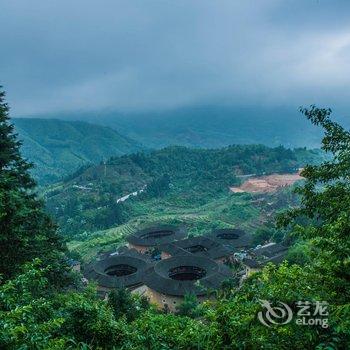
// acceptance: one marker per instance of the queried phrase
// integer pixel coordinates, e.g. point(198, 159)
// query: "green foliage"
point(157, 331)
point(35, 316)
point(326, 201)
point(26, 232)
point(124, 304)
point(268, 233)
point(59, 147)
point(300, 253)
point(326, 205)
point(27, 317)
point(237, 316)
point(89, 320)
point(230, 285)
point(189, 307)
point(157, 187)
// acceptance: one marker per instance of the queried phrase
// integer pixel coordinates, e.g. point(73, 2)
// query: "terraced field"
point(228, 211)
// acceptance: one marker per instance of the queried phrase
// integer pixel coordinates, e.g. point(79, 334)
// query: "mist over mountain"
point(58, 147)
point(217, 126)
point(210, 126)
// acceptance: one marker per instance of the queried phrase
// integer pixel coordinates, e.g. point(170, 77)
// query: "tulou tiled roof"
point(274, 253)
point(135, 263)
point(270, 250)
point(157, 235)
point(212, 275)
point(199, 246)
point(253, 264)
point(231, 237)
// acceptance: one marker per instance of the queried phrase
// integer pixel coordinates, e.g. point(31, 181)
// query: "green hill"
point(173, 180)
point(58, 147)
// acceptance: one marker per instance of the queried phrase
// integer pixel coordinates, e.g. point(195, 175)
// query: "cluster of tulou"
point(164, 265)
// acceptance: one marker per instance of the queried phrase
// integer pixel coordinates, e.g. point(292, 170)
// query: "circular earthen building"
point(169, 280)
point(232, 237)
point(118, 271)
point(146, 239)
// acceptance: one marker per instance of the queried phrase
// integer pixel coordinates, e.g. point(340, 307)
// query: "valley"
point(100, 204)
point(174, 234)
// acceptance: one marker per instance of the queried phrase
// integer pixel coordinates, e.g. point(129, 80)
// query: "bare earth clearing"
point(268, 183)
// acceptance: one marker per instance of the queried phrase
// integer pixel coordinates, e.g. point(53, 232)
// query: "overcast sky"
point(62, 55)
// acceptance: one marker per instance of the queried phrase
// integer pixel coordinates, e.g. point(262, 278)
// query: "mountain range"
point(60, 143)
point(59, 147)
point(210, 126)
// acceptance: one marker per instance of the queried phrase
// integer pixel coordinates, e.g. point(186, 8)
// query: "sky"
point(139, 55)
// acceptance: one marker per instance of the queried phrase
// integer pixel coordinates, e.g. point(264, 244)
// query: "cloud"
point(140, 55)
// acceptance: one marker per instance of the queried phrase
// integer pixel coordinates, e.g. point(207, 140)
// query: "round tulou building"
point(199, 246)
point(147, 239)
point(125, 270)
point(233, 238)
point(169, 280)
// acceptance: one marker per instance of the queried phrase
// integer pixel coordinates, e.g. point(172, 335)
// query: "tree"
point(125, 304)
point(326, 203)
point(189, 307)
point(266, 233)
point(122, 303)
point(168, 331)
point(237, 321)
point(27, 314)
point(90, 320)
point(158, 187)
point(33, 315)
point(26, 232)
point(299, 253)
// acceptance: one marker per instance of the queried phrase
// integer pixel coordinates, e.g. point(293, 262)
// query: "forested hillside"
point(58, 147)
point(172, 179)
